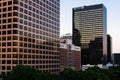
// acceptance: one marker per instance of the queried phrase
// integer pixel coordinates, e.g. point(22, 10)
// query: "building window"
point(9, 26)
point(25, 44)
point(15, 25)
point(25, 50)
point(3, 68)
point(8, 61)
point(20, 61)
point(9, 20)
point(3, 62)
point(29, 62)
point(9, 50)
point(3, 32)
point(21, 50)
point(25, 39)
point(4, 20)
point(21, 44)
point(21, 21)
point(14, 61)
point(21, 10)
point(9, 32)
point(21, 27)
point(8, 43)
point(9, 2)
point(21, 32)
point(25, 33)
point(4, 15)
point(4, 27)
point(9, 38)
point(15, 56)
point(25, 28)
point(15, 44)
point(3, 44)
point(3, 56)
point(15, 2)
point(15, 31)
point(15, 38)
point(3, 38)
point(4, 4)
point(29, 51)
point(4, 9)
point(15, 13)
point(15, 20)
point(9, 55)
point(21, 15)
point(25, 61)
point(8, 67)
point(15, 49)
point(25, 5)
point(9, 8)
point(21, 38)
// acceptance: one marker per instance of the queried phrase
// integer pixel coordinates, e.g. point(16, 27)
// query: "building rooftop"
point(83, 8)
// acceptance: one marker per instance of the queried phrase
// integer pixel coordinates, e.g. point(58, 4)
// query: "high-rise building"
point(29, 34)
point(90, 33)
point(70, 55)
point(109, 49)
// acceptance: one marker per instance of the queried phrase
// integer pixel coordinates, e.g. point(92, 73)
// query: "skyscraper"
point(90, 33)
point(29, 34)
point(109, 49)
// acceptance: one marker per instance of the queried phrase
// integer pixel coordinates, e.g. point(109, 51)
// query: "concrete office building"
point(29, 34)
point(67, 36)
point(70, 55)
point(90, 33)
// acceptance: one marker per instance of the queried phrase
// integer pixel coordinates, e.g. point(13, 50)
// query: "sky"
point(113, 18)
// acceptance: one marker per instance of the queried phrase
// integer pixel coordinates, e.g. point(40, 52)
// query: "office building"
point(90, 33)
point(66, 36)
point(29, 34)
point(109, 49)
point(116, 58)
point(70, 55)
point(84, 67)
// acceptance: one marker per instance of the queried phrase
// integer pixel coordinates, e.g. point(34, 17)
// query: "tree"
point(95, 73)
point(69, 74)
point(21, 72)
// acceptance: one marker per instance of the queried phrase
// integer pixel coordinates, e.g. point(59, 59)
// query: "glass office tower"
point(29, 34)
point(90, 33)
point(109, 49)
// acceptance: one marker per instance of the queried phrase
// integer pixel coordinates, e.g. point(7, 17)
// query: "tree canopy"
point(21, 72)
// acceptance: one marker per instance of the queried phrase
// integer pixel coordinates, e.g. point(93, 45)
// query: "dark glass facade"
point(29, 34)
point(109, 49)
point(90, 33)
point(116, 58)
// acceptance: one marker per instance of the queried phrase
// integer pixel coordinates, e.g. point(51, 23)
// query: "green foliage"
point(69, 74)
point(21, 72)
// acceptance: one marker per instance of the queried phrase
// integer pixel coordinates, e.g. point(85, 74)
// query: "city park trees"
point(21, 72)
